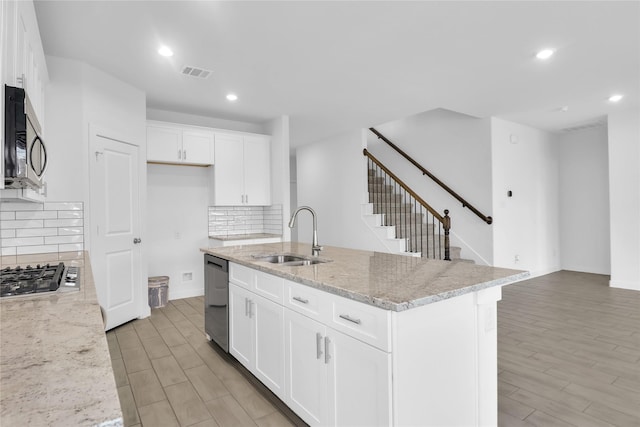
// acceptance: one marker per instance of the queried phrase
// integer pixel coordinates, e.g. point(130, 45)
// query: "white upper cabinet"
point(23, 60)
point(242, 174)
point(179, 145)
point(22, 64)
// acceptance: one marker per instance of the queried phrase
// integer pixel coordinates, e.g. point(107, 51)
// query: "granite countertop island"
point(391, 282)
point(55, 368)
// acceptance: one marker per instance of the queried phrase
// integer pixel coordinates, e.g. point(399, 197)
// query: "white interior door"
point(115, 225)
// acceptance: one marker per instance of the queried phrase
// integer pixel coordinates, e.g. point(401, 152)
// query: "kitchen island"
point(367, 337)
point(55, 368)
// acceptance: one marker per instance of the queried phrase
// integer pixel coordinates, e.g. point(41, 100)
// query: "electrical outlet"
point(177, 235)
point(516, 258)
point(187, 277)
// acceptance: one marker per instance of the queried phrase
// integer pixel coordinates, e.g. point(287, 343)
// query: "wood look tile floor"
point(168, 374)
point(568, 355)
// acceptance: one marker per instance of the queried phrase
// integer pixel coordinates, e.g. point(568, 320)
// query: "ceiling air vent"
point(200, 73)
point(588, 125)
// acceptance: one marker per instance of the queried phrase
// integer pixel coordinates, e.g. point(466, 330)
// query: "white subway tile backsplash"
point(22, 241)
point(26, 223)
point(31, 232)
point(4, 234)
point(14, 207)
point(50, 240)
point(8, 251)
point(233, 220)
point(71, 247)
point(29, 228)
point(37, 215)
point(67, 231)
point(65, 206)
point(70, 214)
point(63, 222)
point(39, 249)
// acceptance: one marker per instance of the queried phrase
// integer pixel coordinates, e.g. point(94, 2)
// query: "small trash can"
point(158, 291)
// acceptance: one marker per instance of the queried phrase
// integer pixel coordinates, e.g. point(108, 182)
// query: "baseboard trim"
point(623, 284)
point(186, 293)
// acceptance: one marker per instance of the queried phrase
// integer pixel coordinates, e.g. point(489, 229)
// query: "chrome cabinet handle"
point(250, 309)
point(137, 240)
point(179, 154)
point(350, 319)
point(318, 345)
point(184, 154)
point(302, 300)
point(246, 306)
point(327, 341)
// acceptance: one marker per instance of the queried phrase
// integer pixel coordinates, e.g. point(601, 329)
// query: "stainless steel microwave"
point(25, 154)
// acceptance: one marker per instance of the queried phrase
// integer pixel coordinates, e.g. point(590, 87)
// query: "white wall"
point(584, 201)
point(280, 172)
point(79, 96)
point(65, 134)
point(624, 197)
point(527, 224)
point(331, 179)
point(456, 148)
point(195, 120)
point(177, 224)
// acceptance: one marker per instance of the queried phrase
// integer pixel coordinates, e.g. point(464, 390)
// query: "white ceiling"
point(337, 66)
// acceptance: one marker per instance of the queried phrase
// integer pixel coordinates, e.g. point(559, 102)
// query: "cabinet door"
point(257, 170)
point(268, 321)
point(359, 382)
point(197, 147)
point(164, 145)
point(240, 325)
point(306, 369)
point(228, 180)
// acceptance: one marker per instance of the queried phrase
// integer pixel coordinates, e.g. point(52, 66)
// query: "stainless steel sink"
point(281, 259)
point(290, 259)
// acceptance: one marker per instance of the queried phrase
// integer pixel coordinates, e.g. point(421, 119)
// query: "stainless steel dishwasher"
point(216, 298)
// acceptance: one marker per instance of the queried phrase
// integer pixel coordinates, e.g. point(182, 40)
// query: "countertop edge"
point(376, 302)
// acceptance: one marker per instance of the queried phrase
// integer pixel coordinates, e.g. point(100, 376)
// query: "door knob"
point(137, 240)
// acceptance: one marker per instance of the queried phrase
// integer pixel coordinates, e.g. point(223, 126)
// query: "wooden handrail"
point(424, 171)
point(405, 186)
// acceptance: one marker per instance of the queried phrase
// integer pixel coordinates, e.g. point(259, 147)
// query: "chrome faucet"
point(315, 247)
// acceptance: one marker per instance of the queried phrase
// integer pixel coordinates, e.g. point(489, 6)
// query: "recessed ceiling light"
point(232, 97)
point(545, 54)
point(165, 51)
point(615, 98)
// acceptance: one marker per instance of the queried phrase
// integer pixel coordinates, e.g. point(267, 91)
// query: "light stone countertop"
point(391, 282)
point(55, 367)
point(233, 237)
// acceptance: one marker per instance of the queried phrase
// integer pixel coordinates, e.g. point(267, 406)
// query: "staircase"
point(403, 224)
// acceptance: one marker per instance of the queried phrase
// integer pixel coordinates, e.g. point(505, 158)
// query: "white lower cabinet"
point(334, 379)
point(256, 336)
point(306, 369)
point(240, 325)
point(338, 362)
point(359, 382)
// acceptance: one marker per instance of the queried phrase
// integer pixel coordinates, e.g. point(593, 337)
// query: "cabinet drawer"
point(268, 286)
point(364, 322)
point(241, 275)
point(306, 300)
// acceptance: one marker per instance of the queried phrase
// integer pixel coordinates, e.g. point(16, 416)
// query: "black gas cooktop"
point(32, 280)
